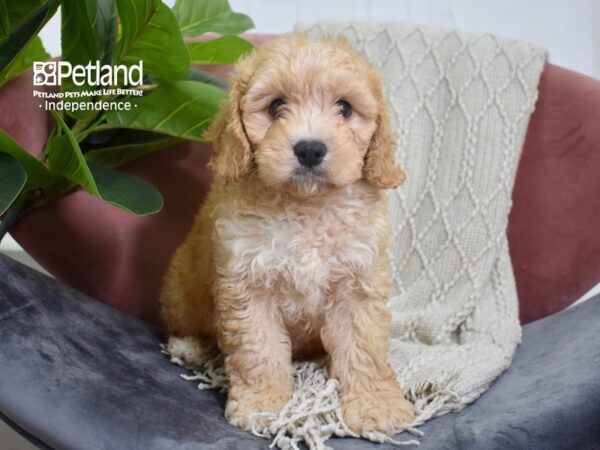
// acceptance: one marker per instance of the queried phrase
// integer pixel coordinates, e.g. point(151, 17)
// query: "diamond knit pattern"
point(460, 105)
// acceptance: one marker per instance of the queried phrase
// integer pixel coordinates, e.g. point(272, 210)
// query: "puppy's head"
point(305, 115)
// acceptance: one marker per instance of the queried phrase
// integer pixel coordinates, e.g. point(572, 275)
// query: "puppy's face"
point(311, 113)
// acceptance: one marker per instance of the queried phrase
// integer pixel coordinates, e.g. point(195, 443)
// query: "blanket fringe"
point(463, 101)
point(312, 415)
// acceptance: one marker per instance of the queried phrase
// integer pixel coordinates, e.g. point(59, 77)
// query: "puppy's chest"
point(298, 253)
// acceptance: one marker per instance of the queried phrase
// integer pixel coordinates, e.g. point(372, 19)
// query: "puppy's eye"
point(275, 106)
point(345, 108)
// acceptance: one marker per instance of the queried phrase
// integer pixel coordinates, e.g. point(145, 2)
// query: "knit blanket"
point(460, 104)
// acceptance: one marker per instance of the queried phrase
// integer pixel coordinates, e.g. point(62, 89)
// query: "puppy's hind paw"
point(191, 350)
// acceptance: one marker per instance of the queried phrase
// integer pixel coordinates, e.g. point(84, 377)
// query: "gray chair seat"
point(76, 374)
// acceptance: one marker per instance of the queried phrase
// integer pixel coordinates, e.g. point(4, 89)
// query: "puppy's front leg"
point(356, 335)
point(257, 356)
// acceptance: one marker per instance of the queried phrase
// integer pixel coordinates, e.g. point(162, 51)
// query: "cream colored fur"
point(460, 104)
point(286, 263)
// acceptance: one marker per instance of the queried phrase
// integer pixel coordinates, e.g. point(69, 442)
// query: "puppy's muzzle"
point(310, 153)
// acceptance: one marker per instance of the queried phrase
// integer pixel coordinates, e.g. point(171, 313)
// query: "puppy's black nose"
point(310, 153)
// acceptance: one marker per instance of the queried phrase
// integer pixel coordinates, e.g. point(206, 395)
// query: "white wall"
point(569, 29)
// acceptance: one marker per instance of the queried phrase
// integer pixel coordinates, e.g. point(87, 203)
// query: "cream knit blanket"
point(460, 104)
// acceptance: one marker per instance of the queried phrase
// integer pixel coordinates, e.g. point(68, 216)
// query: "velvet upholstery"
point(120, 259)
point(553, 226)
point(77, 374)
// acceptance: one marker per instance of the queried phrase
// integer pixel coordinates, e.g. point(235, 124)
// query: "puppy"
point(287, 256)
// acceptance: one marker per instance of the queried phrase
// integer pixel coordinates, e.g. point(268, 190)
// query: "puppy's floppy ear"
point(233, 156)
point(380, 169)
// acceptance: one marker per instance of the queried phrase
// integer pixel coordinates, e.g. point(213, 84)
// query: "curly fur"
point(282, 263)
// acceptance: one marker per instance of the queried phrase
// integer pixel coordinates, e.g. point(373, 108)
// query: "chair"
point(86, 374)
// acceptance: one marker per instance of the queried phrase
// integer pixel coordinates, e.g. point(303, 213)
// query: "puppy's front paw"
point(191, 350)
point(381, 408)
point(242, 403)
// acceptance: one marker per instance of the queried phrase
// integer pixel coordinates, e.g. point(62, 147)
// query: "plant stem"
point(94, 129)
point(82, 124)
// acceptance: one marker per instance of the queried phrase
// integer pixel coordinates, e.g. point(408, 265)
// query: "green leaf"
point(150, 33)
point(204, 77)
point(66, 158)
point(105, 24)
point(78, 36)
point(19, 24)
point(4, 20)
point(33, 51)
point(126, 192)
point(198, 17)
point(195, 74)
point(12, 13)
point(223, 50)
point(37, 173)
point(88, 30)
point(87, 34)
point(124, 152)
point(12, 181)
point(182, 109)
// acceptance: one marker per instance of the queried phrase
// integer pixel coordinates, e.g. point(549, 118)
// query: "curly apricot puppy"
point(287, 257)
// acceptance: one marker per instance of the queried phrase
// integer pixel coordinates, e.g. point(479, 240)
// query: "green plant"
point(85, 146)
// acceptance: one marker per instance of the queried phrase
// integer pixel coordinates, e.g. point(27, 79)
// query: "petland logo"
point(52, 73)
point(102, 86)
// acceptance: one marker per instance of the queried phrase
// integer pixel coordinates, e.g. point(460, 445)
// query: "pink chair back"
point(120, 259)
